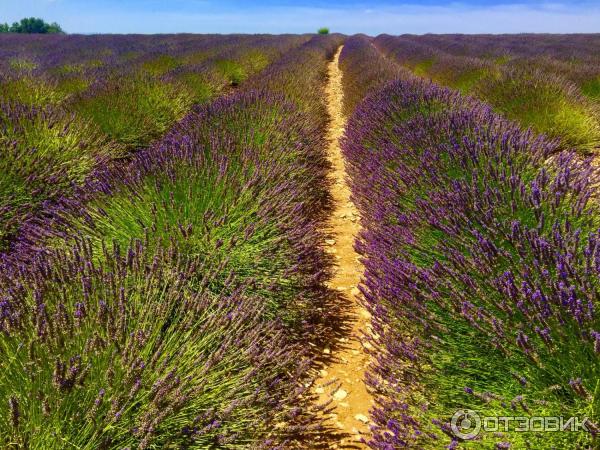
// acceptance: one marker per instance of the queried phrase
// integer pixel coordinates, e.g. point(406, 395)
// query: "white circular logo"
point(465, 424)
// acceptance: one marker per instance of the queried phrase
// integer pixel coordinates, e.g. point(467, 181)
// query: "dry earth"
point(342, 378)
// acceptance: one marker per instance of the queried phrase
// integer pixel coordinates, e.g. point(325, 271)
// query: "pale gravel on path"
point(342, 379)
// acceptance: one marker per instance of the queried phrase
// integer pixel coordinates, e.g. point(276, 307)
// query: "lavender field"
point(298, 241)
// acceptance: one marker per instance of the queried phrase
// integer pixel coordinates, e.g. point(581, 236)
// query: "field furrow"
point(341, 380)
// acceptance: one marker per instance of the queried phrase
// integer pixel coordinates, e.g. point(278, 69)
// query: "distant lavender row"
point(162, 305)
point(539, 92)
point(55, 56)
point(482, 250)
point(298, 74)
point(159, 76)
point(574, 57)
point(365, 69)
point(575, 47)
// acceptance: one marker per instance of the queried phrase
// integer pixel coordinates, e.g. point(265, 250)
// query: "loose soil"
point(341, 379)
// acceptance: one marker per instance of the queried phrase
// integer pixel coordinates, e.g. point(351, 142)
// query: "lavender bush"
point(203, 187)
point(480, 247)
point(44, 152)
point(125, 353)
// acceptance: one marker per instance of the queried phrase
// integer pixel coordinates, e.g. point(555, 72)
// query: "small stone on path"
point(361, 418)
point(340, 394)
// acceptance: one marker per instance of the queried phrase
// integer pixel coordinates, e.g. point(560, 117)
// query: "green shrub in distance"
point(31, 25)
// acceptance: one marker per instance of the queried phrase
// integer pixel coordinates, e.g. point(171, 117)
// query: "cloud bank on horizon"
point(286, 16)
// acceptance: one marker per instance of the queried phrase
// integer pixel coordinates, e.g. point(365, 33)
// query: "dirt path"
point(342, 378)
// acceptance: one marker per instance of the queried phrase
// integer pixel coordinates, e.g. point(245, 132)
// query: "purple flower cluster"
point(481, 251)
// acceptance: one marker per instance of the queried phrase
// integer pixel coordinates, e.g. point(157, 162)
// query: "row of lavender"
point(564, 47)
point(85, 74)
point(166, 302)
point(365, 70)
point(573, 56)
point(73, 103)
point(482, 260)
point(555, 90)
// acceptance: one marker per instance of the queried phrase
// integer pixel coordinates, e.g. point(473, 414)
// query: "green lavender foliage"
point(549, 105)
point(135, 111)
point(591, 88)
point(45, 151)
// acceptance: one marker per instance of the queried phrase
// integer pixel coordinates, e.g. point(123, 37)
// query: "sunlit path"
point(341, 381)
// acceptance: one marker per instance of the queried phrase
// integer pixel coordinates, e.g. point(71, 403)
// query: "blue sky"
point(351, 16)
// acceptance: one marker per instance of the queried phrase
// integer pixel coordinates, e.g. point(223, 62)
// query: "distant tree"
point(323, 30)
point(31, 25)
point(55, 28)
